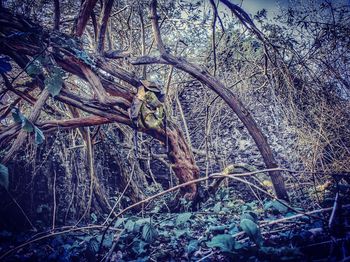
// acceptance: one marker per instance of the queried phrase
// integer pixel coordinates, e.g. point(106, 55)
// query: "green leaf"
point(217, 207)
point(217, 229)
point(139, 246)
point(120, 221)
point(143, 221)
point(142, 259)
point(35, 68)
point(39, 136)
point(4, 176)
point(139, 223)
point(93, 245)
point(167, 223)
point(17, 115)
point(129, 226)
point(275, 207)
point(225, 242)
point(268, 251)
point(192, 246)
point(252, 230)
point(108, 242)
point(27, 125)
point(233, 229)
point(250, 215)
point(92, 215)
point(283, 253)
point(83, 56)
point(54, 82)
point(183, 218)
point(149, 233)
point(181, 232)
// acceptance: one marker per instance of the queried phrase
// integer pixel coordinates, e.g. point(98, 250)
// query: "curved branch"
point(147, 60)
point(236, 105)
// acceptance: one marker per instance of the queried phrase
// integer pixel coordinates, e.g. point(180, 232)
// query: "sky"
point(252, 6)
point(272, 6)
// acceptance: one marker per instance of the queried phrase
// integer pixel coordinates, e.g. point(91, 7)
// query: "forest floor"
point(224, 228)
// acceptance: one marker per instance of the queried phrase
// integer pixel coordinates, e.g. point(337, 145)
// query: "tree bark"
point(104, 22)
point(57, 15)
point(83, 17)
point(183, 162)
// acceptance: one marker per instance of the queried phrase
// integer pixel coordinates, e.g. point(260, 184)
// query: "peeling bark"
point(183, 162)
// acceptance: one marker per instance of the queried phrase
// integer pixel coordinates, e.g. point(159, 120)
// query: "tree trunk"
point(182, 159)
point(83, 16)
point(102, 32)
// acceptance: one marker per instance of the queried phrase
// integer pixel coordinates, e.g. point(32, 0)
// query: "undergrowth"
point(224, 228)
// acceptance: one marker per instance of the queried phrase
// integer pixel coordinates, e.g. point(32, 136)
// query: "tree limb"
point(236, 105)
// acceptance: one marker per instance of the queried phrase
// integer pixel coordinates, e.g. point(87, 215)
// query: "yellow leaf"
point(141, 93)
point(228, 169)
point(267, 183)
